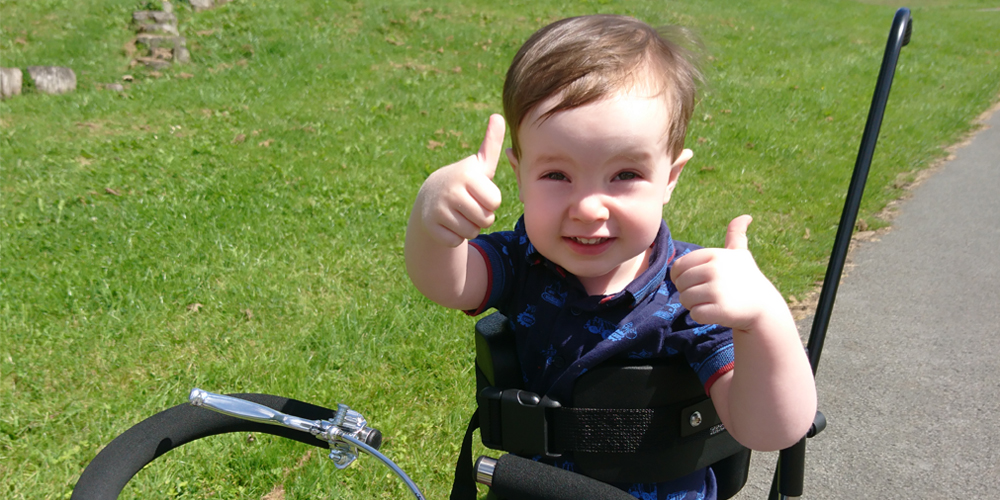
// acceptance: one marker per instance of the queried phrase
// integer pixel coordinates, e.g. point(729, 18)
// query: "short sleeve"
point(496, 249)
point(716, 364)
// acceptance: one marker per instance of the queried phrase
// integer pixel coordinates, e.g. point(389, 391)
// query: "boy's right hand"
point(457, 201)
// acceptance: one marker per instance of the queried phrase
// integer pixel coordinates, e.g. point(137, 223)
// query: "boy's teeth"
point(590, 241)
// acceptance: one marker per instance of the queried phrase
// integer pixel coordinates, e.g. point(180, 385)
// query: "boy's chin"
point(601, 280)
point(608, 275)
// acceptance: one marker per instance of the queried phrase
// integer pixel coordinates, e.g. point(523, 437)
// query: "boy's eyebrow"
point(629, 156)
point(638, 157)
point(633, 156)
point(550, 158)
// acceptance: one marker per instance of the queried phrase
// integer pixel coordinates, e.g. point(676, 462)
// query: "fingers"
point(454, 227)
point(736, 233)
point(736, 239)
point(489, 151)
point(486, 195)
point(705, 312)
point(683, 264)
point(459, 199)
point(692, 269)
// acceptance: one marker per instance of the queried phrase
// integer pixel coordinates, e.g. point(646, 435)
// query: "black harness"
point(647, 422)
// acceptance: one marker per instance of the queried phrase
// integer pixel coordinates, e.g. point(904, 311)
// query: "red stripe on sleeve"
point(715, 376)
point(489, 281)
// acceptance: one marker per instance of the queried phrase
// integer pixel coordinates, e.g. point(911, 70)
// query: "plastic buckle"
point(515, 421)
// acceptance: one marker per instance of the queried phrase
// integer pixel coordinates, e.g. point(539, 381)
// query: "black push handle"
point(899, 36)
point(788, 477)
point(523, 479)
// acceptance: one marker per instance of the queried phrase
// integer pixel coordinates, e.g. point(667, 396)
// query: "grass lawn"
point(237, 223)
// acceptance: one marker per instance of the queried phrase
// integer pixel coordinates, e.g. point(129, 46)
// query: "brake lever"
point(347, 432)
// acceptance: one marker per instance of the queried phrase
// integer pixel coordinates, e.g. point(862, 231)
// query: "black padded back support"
point(663, 383)
point(679, 449)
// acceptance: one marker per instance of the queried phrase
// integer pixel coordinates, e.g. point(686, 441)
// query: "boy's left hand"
point(724, 285)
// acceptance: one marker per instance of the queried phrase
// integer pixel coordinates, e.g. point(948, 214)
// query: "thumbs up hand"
point(456, 202)
point(724, 285)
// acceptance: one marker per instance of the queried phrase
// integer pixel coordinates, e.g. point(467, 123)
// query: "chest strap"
point(521, 422)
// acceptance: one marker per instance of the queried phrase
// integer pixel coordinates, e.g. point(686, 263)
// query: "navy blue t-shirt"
point(561, 331)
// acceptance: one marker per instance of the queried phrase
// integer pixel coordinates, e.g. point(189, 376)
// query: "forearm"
point(442, 272)
point(771, 397)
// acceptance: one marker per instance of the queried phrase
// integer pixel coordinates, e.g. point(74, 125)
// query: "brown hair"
point(592, 57)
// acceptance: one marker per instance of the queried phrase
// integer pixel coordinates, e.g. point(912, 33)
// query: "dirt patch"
point(278, 491)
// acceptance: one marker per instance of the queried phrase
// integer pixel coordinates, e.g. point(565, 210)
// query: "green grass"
point(269, 181)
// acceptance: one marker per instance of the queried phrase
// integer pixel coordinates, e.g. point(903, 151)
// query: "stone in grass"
point(10, 82)
point(182, 55)
point(153, 63)
point(199, 5)
point(52, 79)
point(115, 87)
point(141, 17)
point(170, 29)
point(151, 42)
point(161, 53)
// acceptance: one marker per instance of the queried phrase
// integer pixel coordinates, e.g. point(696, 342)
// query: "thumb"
point(736, 233)
point(489, 151)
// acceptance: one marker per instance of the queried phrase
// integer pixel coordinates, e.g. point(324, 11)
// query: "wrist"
point(774, 315)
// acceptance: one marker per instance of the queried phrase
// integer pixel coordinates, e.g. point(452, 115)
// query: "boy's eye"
point(626, 176)
point(554, 176)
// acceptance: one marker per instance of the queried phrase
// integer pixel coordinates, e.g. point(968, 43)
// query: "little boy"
point(598, 108)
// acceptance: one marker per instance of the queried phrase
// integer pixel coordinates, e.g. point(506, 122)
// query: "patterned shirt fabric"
point(561, 331)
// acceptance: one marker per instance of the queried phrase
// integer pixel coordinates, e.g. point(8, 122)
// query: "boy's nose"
point(589, 208)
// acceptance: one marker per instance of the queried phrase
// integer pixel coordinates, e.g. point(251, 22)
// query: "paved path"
point(910, 374)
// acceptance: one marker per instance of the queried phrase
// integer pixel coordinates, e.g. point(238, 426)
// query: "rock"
point(158, 28)
point(153, 63)
point(116, 87)
point(182, 55)
point(199, 5)
point(159, 38)
point(10, 82)
point(152, 41)
point(52, 79)
point(162, 53)
point(140, 17)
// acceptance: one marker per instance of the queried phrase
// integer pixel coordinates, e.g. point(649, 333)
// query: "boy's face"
point(593, 181)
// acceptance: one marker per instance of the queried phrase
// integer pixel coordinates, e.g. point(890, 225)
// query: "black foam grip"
point(520, 478)
point(112, 468)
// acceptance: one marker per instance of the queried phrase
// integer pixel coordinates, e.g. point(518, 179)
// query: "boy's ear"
point(512, 158)
point(675, 173)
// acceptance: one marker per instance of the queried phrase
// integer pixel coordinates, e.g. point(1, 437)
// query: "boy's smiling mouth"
point(588, 241)
point(588, 246)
